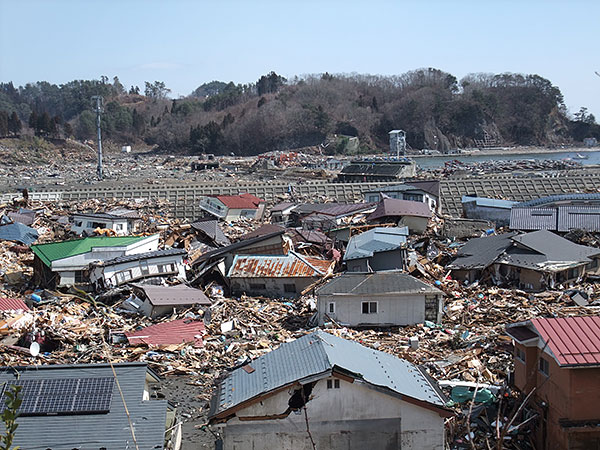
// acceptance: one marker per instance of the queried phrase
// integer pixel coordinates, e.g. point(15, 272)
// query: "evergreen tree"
point(3, 123)
point(14, 123)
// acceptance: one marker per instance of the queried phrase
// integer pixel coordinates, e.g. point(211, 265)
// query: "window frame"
point(329, 307)
point(369, 308)
point(544, 366)
point(290, 288)
point(520, 355)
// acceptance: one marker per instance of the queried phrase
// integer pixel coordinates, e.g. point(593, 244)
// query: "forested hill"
point(436, 110)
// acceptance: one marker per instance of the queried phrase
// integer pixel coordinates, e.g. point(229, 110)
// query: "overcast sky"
point(187, 43)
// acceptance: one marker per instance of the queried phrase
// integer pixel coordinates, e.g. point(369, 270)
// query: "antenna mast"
point(99, 109)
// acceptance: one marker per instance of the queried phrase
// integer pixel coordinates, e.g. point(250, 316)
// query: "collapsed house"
point(17, 232)
point(532, 261)
point(382, 299)
point(414, 215)
point(497, 211)
point(559, 358)
point(157, 301)
point(66, 262)
point(377, 249)
point(232, 207)
point(121, 221)
point(328, 216)
point(427, 192)
point(88, 406)
point(125, 269)
point(350, 396)
point(276, 275)
point(210, 233)
point(389, 169)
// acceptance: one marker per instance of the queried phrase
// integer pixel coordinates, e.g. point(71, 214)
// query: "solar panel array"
point(63, 396)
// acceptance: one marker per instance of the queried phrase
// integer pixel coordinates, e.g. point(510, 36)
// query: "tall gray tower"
point(397, 143)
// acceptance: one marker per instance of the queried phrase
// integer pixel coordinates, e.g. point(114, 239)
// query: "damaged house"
point(560, 359)
point(377, 249)
point(66, 262)
point(125, 269)
point(388, 298)
point(348, 396)
point(156, 301)
point(122, 221)
point(530, 261)
point(82, 406)
point(232, 207)
point(276, 275)
point(427, 192)
point(414, 215)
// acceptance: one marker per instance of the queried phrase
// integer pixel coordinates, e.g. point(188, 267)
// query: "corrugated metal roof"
point(173, 295)
point(578, 217)
point(394, 207)
point(145, 255)
point(528, 219)
point(213, 230)
point(267, 266)
point(12, 304)
point(375, 240)
point(168, 333)
point(18, 232)
point(574, 341)
point(53, 251)
point(317, 354)
point(26, 218)
point(93, 431)
point(384, 282)
point(243, 201)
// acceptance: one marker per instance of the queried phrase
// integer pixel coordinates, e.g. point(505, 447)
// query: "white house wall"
point(135, 267)
point(119, 226)
point(354, 416)
point(391, 309)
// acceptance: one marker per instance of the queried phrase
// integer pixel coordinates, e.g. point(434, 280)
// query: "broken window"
point(124, 276)
point(300, 396)
point(79, 276)
point(544, 366)
point(593, 264)
point(144, 268)
point(573, 273)
point(369, 307)
point(289, 288)
point(163, 268)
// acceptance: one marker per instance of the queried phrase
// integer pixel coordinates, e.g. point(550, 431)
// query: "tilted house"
point(66, 262)
point(122, 221)
point(80, 406)
point(232, 207)
point(157, 301)
point(125, 269)
point(351, 397)
point(426, 192)
point(414, 215)
point(560, 359)
point(389, 298)
point(276, 275)
point(377, 249)
point(497, 211)
point(531, 261)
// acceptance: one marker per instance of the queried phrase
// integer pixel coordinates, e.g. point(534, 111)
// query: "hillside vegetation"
point(435, 109)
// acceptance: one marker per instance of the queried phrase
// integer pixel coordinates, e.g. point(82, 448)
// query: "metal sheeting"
point(561, 218)
point(375, 240)
point(316, 355)
point(168, 333)
point(290, 265)
point(528, 219)
point(574, 341)
point(12, 304)
point(580, 218)
point(18, 232)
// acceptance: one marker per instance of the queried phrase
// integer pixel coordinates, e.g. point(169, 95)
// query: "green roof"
point(54, 251)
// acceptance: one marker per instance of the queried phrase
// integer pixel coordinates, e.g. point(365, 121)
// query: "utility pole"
point(99, 110)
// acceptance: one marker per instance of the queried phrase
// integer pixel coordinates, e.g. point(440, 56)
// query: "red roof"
point(572, 340)
point(243, 201)
point(12, 304)
point(169, 333)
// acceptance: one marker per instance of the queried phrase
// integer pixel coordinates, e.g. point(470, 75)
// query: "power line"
point(99, 109)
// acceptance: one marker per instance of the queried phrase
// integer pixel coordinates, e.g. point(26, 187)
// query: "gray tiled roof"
point(478, 253)
point(375, 240)
point(213, 230)
point(394, 207)
point(383, 282)
point(93, 431)
point(316, 355)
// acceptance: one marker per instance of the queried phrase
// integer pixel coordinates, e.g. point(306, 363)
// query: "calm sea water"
point(431, 162)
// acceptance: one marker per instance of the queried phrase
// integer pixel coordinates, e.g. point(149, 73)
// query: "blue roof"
point(314, 356)
point(489, 202)
point(19, 233)
point(562, 198)
point(375, 240)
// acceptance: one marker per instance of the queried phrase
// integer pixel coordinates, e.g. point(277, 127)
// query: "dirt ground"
point(191, 409)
